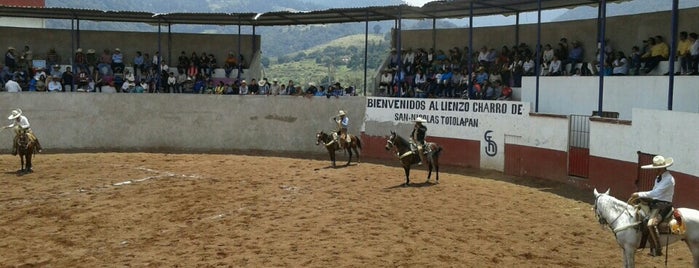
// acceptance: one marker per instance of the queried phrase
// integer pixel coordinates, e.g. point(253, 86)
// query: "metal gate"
point(644, 180)
point(579, 146)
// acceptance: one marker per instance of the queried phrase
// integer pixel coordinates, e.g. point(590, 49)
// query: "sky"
point(418, 3)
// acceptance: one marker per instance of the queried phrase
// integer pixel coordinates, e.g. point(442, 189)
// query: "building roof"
point(432, 10)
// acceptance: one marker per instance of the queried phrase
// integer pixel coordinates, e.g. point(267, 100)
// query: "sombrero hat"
point(420, 120)
point(15, 113)
point(341, 112)
point(659, 162)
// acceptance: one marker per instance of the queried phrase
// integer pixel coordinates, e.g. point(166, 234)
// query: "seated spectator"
point(171, 83)
point(41, 83)
point(139, 87)
point(253, 87)
point(128, 85)
point(683, 54)
point(264, 87)
point(244, 90)
point(620, 64)
point(320, 92)
point(528, 67)
point(506, 93)
point(635, 64)
point(91, 59)
point(659, 51)
point(220, 88)
point(275, 88)
point(83, 80)
point(55, 84)
point(80, 61)
point(12, 85)
point(555, 67)
point(67, 80)
point(312, 89)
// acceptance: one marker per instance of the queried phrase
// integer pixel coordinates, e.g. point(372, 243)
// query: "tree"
point(265, 62)
point(377, 29)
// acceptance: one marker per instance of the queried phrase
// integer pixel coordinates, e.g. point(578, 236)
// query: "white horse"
point(622, 219)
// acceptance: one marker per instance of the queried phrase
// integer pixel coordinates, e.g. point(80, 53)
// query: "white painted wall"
point(668, 133)
point(579, 95)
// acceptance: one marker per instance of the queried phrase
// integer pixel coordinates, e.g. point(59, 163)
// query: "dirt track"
point(180, 210)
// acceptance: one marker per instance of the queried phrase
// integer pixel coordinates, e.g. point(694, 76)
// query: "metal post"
point(673, 45)
point(169, 44)
point(366, 49)
point(434, 33)
point(160, 57)
point(602, 27)
point(470, 49)
point(399, 51)
point(72, 52)
point(537, 68)
point(517, 28)
point(77, 27)
point(240, 59)
point(252, 49)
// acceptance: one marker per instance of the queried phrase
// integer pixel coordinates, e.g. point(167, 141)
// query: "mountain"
point(276, 41)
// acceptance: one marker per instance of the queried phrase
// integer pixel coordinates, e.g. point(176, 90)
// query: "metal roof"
point(432, 10)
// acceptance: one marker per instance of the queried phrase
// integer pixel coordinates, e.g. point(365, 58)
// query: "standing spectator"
point(155, 62)
point(26, 60)
point(105, 62)
point(117, 61)
point(694, 52)
point(211, 65)
point(182, 62)
point(67, 80)
point(80, 61)
point(138, 64)
point(52, 58)
point(635, 64)
point(96, 80)
point(230, 64)
point(683, 54)
point(204, 63)
point(11, 59)
point(91, 58)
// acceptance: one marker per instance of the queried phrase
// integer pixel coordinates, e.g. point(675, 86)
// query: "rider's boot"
point(656, 249)
point(421, 154)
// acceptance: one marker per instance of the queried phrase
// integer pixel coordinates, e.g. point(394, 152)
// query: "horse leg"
point(28, 166)
point(429, 170)
point(357, 153)
point(629, 254)
point(436, 168)
point(332, 156)
point(350, 156)
point(407, 174)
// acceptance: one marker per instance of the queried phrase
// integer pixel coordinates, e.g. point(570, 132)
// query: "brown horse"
point(332, 145)
point(408, 156)
point(26, 148)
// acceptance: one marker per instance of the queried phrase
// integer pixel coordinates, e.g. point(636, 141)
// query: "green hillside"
point(340, 60)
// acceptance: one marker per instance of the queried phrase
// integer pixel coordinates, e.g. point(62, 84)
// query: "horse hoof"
point(406, 184)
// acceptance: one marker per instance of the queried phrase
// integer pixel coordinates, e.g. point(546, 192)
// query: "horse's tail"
point(359, 143)
point(437, 150)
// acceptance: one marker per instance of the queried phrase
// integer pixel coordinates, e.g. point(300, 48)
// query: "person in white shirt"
point(55, 84)
point(20, 124)
point(12, 86)
point(659, 198)
point(694, 53)
point(621, 65)
point(555, 67)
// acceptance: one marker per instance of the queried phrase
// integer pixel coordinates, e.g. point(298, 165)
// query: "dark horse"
point(332, 145)
point(26, 148)
point(408, 157)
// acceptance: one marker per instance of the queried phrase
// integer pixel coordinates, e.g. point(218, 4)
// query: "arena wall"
point(179, 122)
point(579, 94)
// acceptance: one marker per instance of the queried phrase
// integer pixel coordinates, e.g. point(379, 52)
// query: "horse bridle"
point(603, 221)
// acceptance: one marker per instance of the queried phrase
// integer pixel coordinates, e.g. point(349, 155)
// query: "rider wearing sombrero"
point(20, 123)
point(418, 137)
point(660, 199)
point(342, 124)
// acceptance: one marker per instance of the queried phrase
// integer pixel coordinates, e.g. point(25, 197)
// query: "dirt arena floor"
point(195, 210)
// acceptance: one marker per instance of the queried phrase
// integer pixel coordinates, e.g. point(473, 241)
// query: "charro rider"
point(418, 137)
point(342, 124)
point(20, 123)
point(660, 199)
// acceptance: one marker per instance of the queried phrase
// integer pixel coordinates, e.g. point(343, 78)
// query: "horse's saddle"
point(425, 148)
point(671, 223)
